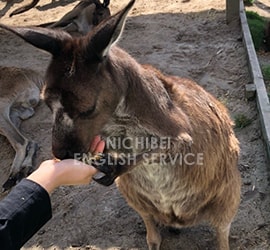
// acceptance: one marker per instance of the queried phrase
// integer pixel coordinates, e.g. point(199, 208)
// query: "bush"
point(266, 72)
point(257, 26)
point(266, 77)
point(248, 2)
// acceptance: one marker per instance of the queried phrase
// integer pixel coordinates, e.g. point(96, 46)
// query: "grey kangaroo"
point(82, 18)
point(94, 87)
point(35, 2)
point(20, 93)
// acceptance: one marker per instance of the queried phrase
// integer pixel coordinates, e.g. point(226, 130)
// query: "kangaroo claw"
point(111, 168)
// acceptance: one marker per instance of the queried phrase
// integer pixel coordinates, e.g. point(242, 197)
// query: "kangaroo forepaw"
point(105, 180)
point(111, 168)
point(12, 181)
point(23, 167)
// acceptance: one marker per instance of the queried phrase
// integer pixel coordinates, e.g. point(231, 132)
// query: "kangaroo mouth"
point(89, 158)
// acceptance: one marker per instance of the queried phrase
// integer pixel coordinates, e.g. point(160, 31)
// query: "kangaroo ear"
point(46, 39)
point(106, 3)
point(107, 33)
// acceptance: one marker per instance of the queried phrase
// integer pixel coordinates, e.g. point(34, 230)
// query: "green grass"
point(249, 2)
point(242, 121)
point(266, 77)
point(257, 26)
point(266, 72)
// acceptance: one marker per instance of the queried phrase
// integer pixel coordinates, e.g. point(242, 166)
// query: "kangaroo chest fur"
point(163, 183)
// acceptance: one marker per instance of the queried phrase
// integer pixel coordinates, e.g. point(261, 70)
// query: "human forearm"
point(22, 213)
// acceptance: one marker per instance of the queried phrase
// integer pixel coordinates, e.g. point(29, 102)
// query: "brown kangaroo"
point(82, 18)
point(94, 87)
point(20, 93)
point(35, 2)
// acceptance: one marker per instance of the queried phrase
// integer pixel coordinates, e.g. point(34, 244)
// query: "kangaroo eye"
point(87, 114)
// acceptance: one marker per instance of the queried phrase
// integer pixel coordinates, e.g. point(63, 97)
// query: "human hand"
point(54, 173)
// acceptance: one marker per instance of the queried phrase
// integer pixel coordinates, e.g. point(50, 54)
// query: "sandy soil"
point(186, 38)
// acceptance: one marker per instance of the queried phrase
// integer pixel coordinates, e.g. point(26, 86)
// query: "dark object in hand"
point(110, 166)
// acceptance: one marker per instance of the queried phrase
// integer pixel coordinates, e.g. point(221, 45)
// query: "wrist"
point(46, 176)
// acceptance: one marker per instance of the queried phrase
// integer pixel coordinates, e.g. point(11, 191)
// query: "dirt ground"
point(187, 38)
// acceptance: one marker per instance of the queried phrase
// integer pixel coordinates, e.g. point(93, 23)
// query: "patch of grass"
point(257, 25)
point(242, 121)
point(248, 2)
point(254, 15)
point(266, 77)
point(266, 72)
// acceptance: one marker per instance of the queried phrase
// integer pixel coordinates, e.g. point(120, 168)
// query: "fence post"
point(232, 10)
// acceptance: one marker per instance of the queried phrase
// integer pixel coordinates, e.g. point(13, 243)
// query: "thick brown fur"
point(94, 87)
